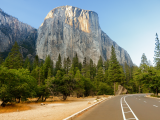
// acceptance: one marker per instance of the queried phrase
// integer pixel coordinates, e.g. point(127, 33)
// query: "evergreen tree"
point(14, 59)
point(144, 59)
point(36, 62)
point(157, 52)
point(27, 64)
point(65, 65)
point(1, 60)
point(92, 70)
point(48, 64)
point(64, 84)
point(80, 66)
point(100, 63)
point(16, 84)
point(68, 65)
point(79, 84)
point(127, 73)
point(151, 80)
point(123, 78)
point(100, 75)
point(58, 64)
point(75, 63)
point(106, 64)
point(84, 62)
point(114, 69)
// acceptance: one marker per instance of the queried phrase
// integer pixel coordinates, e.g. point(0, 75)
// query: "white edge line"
point(122, 109)
point(130, 109)
point(83, 110)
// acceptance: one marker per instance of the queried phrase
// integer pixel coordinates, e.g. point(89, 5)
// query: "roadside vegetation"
point(22, 79)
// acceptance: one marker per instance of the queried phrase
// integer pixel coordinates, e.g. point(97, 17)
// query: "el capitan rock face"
point(68, 30)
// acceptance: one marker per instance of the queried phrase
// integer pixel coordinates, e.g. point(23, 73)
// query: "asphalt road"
point(128, 107)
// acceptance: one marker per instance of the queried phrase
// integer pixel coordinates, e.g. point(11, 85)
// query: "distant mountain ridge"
point(11, 30)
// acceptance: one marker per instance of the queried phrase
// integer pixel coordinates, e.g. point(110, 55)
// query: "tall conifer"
point(157, 52)
point(114, 69)
point(14, 59)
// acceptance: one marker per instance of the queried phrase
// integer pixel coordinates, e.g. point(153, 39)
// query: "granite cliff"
point(68, 30)
point(11, 30)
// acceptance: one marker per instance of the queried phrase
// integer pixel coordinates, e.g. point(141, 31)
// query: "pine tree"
point(100, 75)
point(114, 69)
point(80, 66)
point(79, 84)
point(1, 60)
point(144, 63)
point(36, 62)
point(27, 64)
point(92, 68)
point(14, 59)
point(68, 64)
point(58, 64)
point(144, 59)
point(123, 78)
point(65, 65)
point(100, 62)
point(48, 64)
point(75, 63)
point(157, 52)
point(84, 62)
point(127, 74)
point(106, 64)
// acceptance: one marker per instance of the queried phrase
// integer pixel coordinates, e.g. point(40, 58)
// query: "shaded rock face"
point(12, 30)
point(68, 30)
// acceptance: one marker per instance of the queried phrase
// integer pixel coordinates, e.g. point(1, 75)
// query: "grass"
point(152, 95)
point(14, 108)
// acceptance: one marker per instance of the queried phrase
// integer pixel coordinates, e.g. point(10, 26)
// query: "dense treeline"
point(21, 79)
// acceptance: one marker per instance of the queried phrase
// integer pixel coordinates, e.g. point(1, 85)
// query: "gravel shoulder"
point(50, 111)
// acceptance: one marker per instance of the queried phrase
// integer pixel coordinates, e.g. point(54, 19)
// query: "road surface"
point(124, 107)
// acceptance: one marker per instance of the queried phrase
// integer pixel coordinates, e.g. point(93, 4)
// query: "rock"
point(68, 30)
point(11, 30)
point(94, 101)
point(89, 102)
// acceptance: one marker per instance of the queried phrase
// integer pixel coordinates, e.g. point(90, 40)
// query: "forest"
point(21, 78)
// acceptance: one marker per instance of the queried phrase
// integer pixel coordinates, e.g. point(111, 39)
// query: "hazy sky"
point(132, 24)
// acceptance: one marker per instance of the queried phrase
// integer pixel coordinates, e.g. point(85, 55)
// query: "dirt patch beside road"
point(57, 110)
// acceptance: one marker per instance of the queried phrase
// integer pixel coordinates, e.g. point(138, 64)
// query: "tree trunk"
point(64, 97)
point(3, 104)
point(114, 88)
point(78, 96)
point(157, 91)
point(38, 99)
point(45, 99)
point(19, 99)
point(42, 98)
point(139, 89)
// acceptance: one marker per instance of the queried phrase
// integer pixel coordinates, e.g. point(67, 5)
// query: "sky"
point(132, 24)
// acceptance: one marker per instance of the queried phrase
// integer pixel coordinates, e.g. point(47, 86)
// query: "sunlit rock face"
point(68, 30)
point(11, 30)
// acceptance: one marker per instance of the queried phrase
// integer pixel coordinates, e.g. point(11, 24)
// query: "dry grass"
point(14, 108)
point(32, 101)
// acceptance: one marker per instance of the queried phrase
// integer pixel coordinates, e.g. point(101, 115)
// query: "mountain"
point(67, 30)
point(11, 30)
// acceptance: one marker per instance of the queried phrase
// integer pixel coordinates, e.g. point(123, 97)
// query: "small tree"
point(79, 84)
